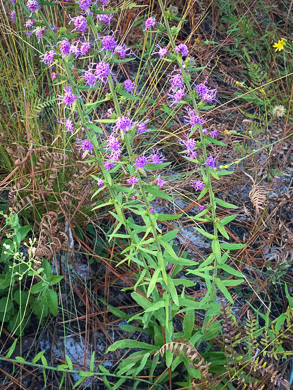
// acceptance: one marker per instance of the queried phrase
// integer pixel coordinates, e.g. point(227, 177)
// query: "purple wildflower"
point(32, 5)
point(102, 71)
point(80, 23)
point(141, 127)
point(54, 27)
point(160, 182)
point(178, 95)
point(150, 22)
point(141, 162)
point(122, 50)
point(109, 165)
point(86, 146)
point(84, 4)
point(190, 145)
point(156, 157)
point(176, 82)
point(163, 51)
point(197, 185)
point(108, 43)
point(129, 85)
point(54, 75)
point(132, 180)
point(106, 18)
point(152, 211)
point(193, 118)
point(214, 133)
point(104, 2)
point(201, 208)
point(69, 98)
point(64, 47)
point(123, 123)
point(29, 23)
point(181, 49)
point(206, 93)
point(90, 78)
point(210, 161)
point(113, 143)
point(48, 57)
point(12, 15)
point(85, 48)
point(100, 183)
point(39, 32)
point(115, 155)
point(68, 125)
point(74, 49)
point(134, 197)
point(12, 2)
point(210, 96)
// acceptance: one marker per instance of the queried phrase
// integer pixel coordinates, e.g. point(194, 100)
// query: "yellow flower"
point(279, 45)
point(197, 40)
point(261, 90)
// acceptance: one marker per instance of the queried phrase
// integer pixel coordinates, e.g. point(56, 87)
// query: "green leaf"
point(128, 95)
point(224, 173)
point(228, 219)
point(153, 281)
point(214, 174)
point(173, 290)
point(92, 362)
point(128, 344)
point(231, 270)
point(117, 312)
point(11, 349)
point(167, 217)
point(188, 324)
point(55, 279)
point(169, 236)
point(22, 233)
point(225, 204)
point(142, 364)
point(216, 249)
point(47, 269)
point(214, 141)
point(222, 230)
point(158, 193)
point(69, 362)
point(120, 61)
point(231, 246)
point(52, 299)
point(155, 306)
point(155, 167)
point(204, 233)
point(224, 290)
point(38, 357)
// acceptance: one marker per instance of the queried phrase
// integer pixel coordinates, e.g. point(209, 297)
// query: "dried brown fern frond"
point(257, 195)
point(52, 237)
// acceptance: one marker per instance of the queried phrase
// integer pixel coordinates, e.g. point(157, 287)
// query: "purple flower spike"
point(74, 49)
point(106, 18)
point(129, 85)
point(90, 78)
point(150, 22)
point(163, 51)
point(177, 97)
point(141, 127)
point(64, 48)
point(197, 185)
point(177, 82)
point(29, 23)
point(211, 162)
point(123, 123)
point(80, 23)
point(108, 43)
point(84, 4)
point(68, 125)
point(156, 158)
point(190, 145)
point(12, 15)
point(140, 162)
point(102, 71)
point(182, 49)
point(69, 98)
point(193, 118)
point(86, 146)
point(100, 183)
point(32, 5)
point(132, 180)
point(40, 32)
point(109, 165)
point(113, 143)
point(48, 57)
point(214, 133)
point(160, 182)
point(85, 48)
point(121, 50)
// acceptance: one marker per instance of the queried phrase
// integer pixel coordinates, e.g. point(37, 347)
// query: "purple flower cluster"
point(68, 98)
point(197, 185)
point(163, 51)
point(68, 125)
point(206, 93)
point(150, 22)
point(211, 162)
point(80, 23)
point(160, 182)
point(176, 81)
point(123, 123)
point(132, 180)
point(89, 77)
point(102, 71)
point(121, 50)
point(108, 43)
point(189, 144)
point(156, 157)
point(86, 146)
point(32, 5)
point(48, 57)
point(129, 85)
point(84, 5)
point(106, 18)
point(193, 118)
point(141, 127)
point(182, 49)
point(178, 96)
